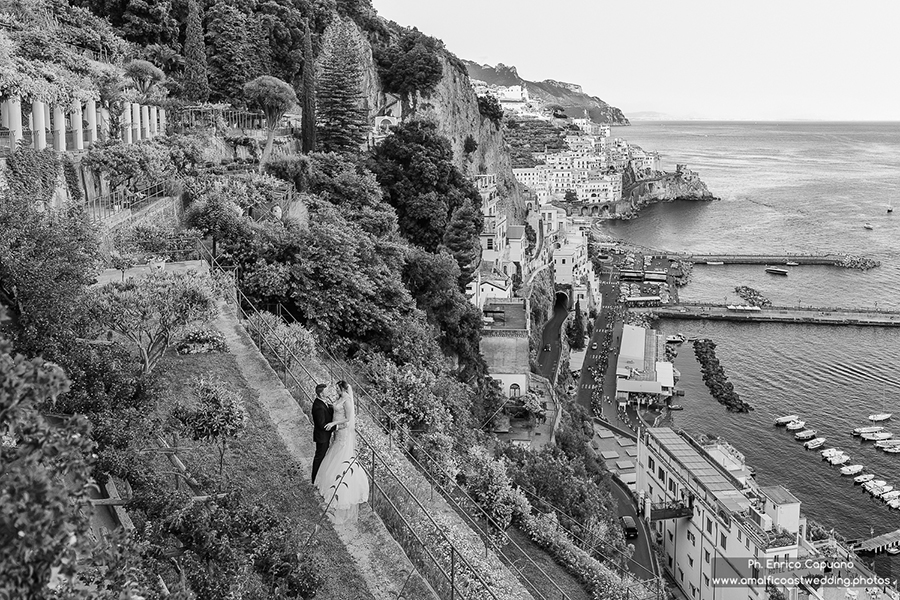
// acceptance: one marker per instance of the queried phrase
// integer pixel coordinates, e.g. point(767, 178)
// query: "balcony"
point(660, 511)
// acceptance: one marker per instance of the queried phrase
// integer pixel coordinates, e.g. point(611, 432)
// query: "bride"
point(341, 478)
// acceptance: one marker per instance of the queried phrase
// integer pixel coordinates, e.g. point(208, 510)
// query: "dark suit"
point(322, 414)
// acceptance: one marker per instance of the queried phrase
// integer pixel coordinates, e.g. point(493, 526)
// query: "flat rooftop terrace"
point(505, 315)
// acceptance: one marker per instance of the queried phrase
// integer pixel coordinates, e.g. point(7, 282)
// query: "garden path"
point(379, 559)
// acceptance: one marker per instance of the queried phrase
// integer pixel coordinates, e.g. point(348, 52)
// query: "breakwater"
point(775, 314)
point(751, 296)
point(715, 379)
point(847, 261)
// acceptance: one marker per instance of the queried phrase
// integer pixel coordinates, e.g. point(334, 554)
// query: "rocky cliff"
point(454, 106)
point(569, 96)
point(683, 184)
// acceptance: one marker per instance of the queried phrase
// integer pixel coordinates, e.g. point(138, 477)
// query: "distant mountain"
point(569, 96)
point(649, 115)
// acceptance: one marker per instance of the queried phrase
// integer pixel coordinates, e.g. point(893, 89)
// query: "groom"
point(322, 414)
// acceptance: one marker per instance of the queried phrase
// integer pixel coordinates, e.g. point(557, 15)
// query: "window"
point(691, 560)
point(669, 556)
point(723, 539)
point(747, 543)
point(671, 537)
point(672, 486)
point(681, 574)
point(515, 391)
point(708, 525)
point(706, 556)
point(662, 475)
point(490, 244)
point(693, 590)
point(739, 535)
point(692, 538)
point(706, 580)
point(563, 261)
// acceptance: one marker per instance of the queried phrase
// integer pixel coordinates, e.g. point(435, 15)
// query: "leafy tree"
point(144, 75)
point(578, 323)
point(274, 97)
point(152, 311)
point(414, 166)
point(308, 97)
point(229, 52)
point(411, 66)
point(145, 161)
point(570, 196)
point(47, 260)
point(43, 533)
point(341, 120)
point(490, 108)
point(219, 416)
point(470, 145)
point(196, 75)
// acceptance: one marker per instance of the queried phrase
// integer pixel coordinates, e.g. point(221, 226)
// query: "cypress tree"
point(341, 121)
point(461, 239)
point(308, 97)
point(196, 76)
point(230, 54)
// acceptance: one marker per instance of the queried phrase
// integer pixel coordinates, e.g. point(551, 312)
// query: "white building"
point(504, 343)
point(600, 188)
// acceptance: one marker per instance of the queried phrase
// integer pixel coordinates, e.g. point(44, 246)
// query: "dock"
point(769, 259)
point(805, 315)
point(879, 543)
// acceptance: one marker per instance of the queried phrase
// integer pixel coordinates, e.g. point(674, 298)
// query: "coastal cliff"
point(683, 184)
point(453, 105)
point(570, 96)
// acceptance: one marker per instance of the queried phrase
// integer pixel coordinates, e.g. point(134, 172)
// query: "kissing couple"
point(336, 472)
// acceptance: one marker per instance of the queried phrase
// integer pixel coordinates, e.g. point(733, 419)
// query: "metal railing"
point(105, 207)
point(436, 556)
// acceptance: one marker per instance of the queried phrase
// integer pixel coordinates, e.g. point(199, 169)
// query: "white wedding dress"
point(341, 478)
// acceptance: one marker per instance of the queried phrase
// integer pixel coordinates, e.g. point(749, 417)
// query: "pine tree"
point(341, 121)
point(578, 334)
point(308, 97)
point(196, 76)
point(229, 52)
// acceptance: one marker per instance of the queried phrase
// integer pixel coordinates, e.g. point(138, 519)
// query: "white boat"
point(881, 491)
point(895, 504)
point(714, 262)
point(840, 459)
point(868, 226)
point(877, 437)
point(678, 338)
point(878, 417)
point(892, 495)
point(893, 450)
point(864, 478)
point(776, 271)
point(786, 420)
point(791, 263)
point(796, 425)
point(869, 429)
point(806, 434)
point(815, 443)
point(893, 550)
point(852, 469)
point(829, 452)
point(874, 484)
point(887, 443)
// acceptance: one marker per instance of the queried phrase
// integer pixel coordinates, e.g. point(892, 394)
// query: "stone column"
point(4, 114)
point(154, 130)
point(162, 121)
point(135, 121)
point(76, 116)
point(92, 121)
point(14, 105)
point(125, 123)
point(59, 129)
point(104, 124)
point(145, 122)
point(38, 125)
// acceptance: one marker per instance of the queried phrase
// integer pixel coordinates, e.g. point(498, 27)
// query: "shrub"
point(490, 108)
point(470, 145)
point(201, 341)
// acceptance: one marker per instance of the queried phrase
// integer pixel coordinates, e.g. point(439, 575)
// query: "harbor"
point(775, 314)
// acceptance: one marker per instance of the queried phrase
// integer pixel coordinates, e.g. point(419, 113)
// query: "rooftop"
point(506, 315)
point(701, 469)
point(515, 232)
point(506, 354)
point(779, 495)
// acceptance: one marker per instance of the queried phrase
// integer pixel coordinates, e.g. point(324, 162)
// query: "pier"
point(775, 314)
point(769, 259)
point(880, 543)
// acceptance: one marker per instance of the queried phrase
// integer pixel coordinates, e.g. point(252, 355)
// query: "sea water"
point(804, 188)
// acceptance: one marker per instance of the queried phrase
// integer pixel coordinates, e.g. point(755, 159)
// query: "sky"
point(705, 59)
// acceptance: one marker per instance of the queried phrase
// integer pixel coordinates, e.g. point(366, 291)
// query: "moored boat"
point(891, 495)
point(715, 262)
point(791, 263)
point(796, 425)
point(881, 491)
point(814, 443)
point(852, 469)
point(893, 550)
point(839, 459)
point(776, 271)
point(878, 417)
point(676, 407)
point(829, 452)
point(893, 450)
point(895, 504)
point(863, 478)
point(868, 226)
point(887, 444)
point(868, 429)
point(874, 484)
point(785, 420)
point(806, 434)
point(877, 437)
point(678, 338)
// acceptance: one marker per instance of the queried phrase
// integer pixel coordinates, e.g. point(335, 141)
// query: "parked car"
point(594, 346)
point(629, 527)
point(546, 347)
